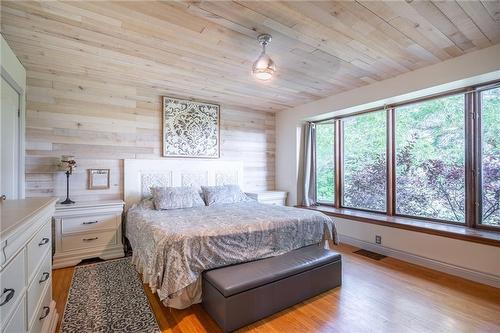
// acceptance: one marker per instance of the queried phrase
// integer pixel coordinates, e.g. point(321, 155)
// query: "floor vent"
point(370, 254)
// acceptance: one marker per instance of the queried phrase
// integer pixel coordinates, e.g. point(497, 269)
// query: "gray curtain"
point(309, 160)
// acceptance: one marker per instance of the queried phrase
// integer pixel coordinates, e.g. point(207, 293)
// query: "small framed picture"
point(98, 179)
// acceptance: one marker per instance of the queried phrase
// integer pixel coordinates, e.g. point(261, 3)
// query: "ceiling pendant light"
point(263, 68)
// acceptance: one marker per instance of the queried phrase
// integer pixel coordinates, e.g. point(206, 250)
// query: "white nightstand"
point(269, 197)
point(87, 230)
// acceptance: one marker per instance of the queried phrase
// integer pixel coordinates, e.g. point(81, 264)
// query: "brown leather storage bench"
point(238, 295)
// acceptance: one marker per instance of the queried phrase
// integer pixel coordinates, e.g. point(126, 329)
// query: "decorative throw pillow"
point(176, 198)
point(225, 194)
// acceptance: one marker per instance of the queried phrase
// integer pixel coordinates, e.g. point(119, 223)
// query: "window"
point(364, 183)
point(430, 159)
point(490, 157)
point(325, 162)
point(436, 158)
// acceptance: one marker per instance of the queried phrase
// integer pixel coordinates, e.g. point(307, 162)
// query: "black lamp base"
point(67, 202)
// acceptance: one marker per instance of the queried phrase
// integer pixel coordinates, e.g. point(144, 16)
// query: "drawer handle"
point(90, 239)
point(43, 241)
point(10, 293)
point(46, 311)
point(91, 222)
point(45, 277)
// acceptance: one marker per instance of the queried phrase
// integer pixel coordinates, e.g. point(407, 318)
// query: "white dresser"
point(269, 197)
point(87, 230)
point(26, 303)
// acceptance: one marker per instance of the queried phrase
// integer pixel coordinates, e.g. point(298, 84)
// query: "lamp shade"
point(264, 67)
point(67, 163)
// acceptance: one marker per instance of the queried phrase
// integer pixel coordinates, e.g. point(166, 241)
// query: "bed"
point(171, 248)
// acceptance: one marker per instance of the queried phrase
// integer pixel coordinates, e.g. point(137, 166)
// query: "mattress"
point(171, 248)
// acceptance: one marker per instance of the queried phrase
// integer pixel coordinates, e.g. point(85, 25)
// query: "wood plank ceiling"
point(206, 49)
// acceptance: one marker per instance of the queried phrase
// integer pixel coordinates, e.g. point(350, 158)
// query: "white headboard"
point(140, 175)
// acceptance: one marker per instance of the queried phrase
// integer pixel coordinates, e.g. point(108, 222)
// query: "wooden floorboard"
point(388, 295)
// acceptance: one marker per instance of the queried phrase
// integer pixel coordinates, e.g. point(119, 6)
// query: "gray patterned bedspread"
point(175, 246)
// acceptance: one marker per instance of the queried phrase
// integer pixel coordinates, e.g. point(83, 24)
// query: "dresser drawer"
point(88, 240)
point(42, 313)
point(13, 246)
point(40, 280)
point(17, 322)
point(12, 282)
point(38, 247)
point(89, 224)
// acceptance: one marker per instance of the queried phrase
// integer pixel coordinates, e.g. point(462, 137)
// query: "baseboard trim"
point(466, 273)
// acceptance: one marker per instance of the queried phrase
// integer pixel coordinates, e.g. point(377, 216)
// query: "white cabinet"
point(87, 230)
point(269, 197)
point(26, 303)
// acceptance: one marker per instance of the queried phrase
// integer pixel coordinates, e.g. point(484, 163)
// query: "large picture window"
point(365, 161)
point(435, 158)
point(490, 156)
point(430, 159)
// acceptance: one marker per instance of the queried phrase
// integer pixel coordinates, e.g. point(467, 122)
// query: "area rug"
point(108, 297)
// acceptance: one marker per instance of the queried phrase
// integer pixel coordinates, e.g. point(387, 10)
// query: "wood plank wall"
point(102, 123)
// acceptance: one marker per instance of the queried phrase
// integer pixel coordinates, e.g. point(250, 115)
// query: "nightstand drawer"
point(88, 240)
point(279, 202)
point(89, 224)
point(269, 197)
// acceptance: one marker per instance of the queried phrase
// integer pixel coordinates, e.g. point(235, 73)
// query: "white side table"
point(269, 197)
point(87, 230)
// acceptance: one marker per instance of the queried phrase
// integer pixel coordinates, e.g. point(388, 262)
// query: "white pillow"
point(176, 197)
point(214, 195)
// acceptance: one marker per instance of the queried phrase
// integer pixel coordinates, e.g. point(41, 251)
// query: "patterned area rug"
point(108, 297)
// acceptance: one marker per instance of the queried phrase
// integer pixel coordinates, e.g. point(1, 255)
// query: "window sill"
point(434, 228)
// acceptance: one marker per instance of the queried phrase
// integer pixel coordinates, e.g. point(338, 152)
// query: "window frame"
point(472, 150)
point(478, 157)
point(326, 203)
point(466, 95)
point(342, 139)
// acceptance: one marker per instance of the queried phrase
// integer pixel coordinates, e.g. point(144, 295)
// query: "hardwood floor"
point(376, 296)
